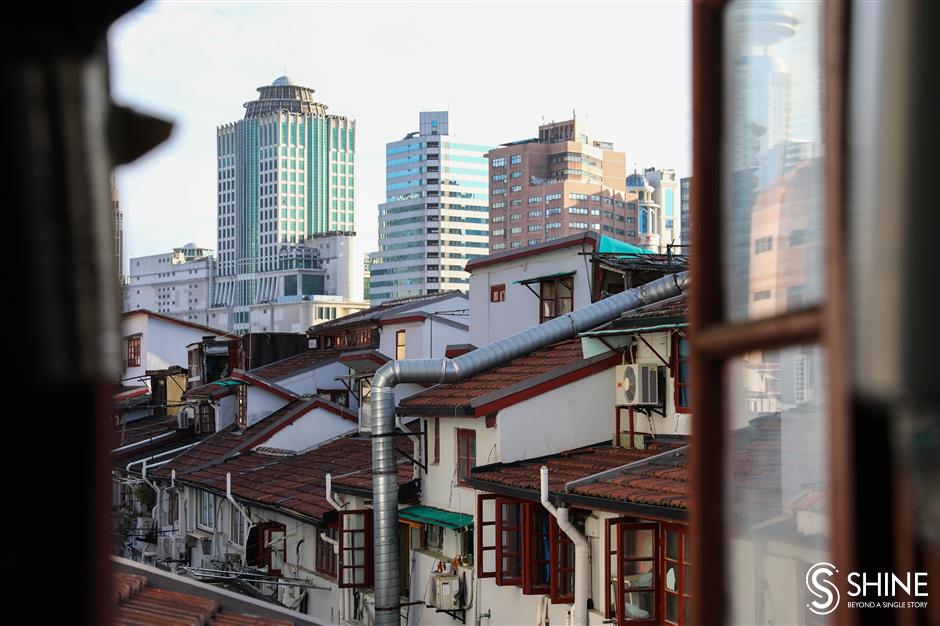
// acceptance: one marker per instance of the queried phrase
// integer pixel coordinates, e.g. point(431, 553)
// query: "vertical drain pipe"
point(444, 370)
point(582, 552)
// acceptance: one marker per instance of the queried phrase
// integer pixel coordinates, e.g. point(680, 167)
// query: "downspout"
point(444, 370)
point(156, 507)
point(231, 498)
point(344, 593)
point(582, 553)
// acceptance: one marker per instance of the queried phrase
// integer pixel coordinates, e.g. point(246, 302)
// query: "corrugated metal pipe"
point(582, 552)
point(444, 370)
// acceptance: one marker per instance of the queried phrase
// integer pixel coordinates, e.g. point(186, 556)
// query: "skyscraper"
point(558, 184)
point(434, 218)
point(117, 216)
point(685, 192)
point(285, 173)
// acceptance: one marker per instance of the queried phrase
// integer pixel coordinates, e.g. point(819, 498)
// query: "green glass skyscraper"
point(285, 172)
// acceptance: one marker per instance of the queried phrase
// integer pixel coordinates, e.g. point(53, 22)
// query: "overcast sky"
point(499, 68)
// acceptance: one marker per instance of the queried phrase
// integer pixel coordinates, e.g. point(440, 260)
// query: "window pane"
point(772, 192)
point(777, 483)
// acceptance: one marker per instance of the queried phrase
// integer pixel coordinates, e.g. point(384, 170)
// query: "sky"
point(500, 68)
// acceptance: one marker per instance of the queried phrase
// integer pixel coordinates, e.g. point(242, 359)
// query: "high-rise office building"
point(685, 210)
point(557, 184)
point(434, 218)
point(285, 173)
point(117, 216)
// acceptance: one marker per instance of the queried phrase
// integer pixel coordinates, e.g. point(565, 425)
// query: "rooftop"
point(388, 309)
point(535, 372)
point(294, 365)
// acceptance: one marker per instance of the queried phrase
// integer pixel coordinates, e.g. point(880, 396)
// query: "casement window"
point(267, 546)
point(536, 570)
point(632, 568)
point(400, 348)
point(676, 574)
point(509, 542)
point(466, 454)
point(326, 554)
point(206, 510)
point(437, 441)
point(133, 351)
point(498, 293)
point(556, 298)
point(487, 536)
point(172, 508)
point(355, 548)
point(562, 558)
point(242, 405)
point(681, 372)
point(205, 422)
point(237, 527)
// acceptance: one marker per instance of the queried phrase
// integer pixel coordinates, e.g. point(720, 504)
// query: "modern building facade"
point(434, 218)
point(666, 195)
point(117, 216)
point(179, 284)
point(557, 184)
point(685, 209)
point(286, 172)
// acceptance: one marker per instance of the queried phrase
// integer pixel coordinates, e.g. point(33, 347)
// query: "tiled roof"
point(214, 390)
point(137, 604)
point(143, 429)
point(515, 372)
point(166, 318)
point(294, 484)
point(677, 306)
point(658, 481)
point(293, 365)
point(387, 308)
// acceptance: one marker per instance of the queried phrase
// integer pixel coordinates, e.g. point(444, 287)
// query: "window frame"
point(678, 384)
point(401, 344)
point(503, 579)
point(498, 293)
point(462, 437)
point(132, 352)
point(716, 341)
point(345, 534)
point(206, 497)
point(554, 300)
point(326, 558)
point(481, 547)
point(682, 561)
point(532, 513)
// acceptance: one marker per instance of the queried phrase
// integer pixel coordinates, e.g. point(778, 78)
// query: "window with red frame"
point(437, 440)
point(681, 371)
point(677, 574)
point(242, 399)
point(487, 537)
point(466, 454)
point(498, 293)
point(267, 546)
point(536, 575)
point(562, 559)
point(556, 298)
point(326, 554)
point(509, 543)
point(632, 569)
point(355, 548)
point(133, 351)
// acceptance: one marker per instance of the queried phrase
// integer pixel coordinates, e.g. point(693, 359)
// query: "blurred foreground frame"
point(63, 137)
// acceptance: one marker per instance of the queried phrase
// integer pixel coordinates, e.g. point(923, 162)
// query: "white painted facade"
point(162, 342)
point(490, 321)
point(179, 283)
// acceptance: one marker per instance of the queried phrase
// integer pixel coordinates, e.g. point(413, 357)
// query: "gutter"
point(582, 551)
point(444, 370)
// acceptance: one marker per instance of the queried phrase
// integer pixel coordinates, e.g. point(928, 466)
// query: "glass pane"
point(637, 573)
point(638, 542)
point(672, 546)
point(772, 191)
point(672, 577)
point(638, 605)
point(672, 608)
point(777, 479)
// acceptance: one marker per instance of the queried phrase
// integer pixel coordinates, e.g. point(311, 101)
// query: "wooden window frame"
point(481, 547)
point(555, 300)
point(682, 561)
point(462, 437)
point(401, 344)
point(498, 293)
point(560, 543)
point(264, 554)
point(348, 547)
point(437, 441)
point(657, 587)
point(676, 366)
point(531, 563)
point(715, 341)
point(241, 406)
point(502, 577)
point(133, 350)
point(326, 558)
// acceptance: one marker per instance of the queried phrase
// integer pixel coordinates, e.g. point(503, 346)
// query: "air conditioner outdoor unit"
point(637, 384)
point(186, 417)
point(445, 590)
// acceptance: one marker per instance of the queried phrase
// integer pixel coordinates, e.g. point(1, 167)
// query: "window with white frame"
point(207, 510)
point(237, 531)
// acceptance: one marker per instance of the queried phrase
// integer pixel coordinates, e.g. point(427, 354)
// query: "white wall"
point(308, 430)
point(162, 343)
point(262, 403)
point(322, 377)
point(492, 321)
point(578, 414)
